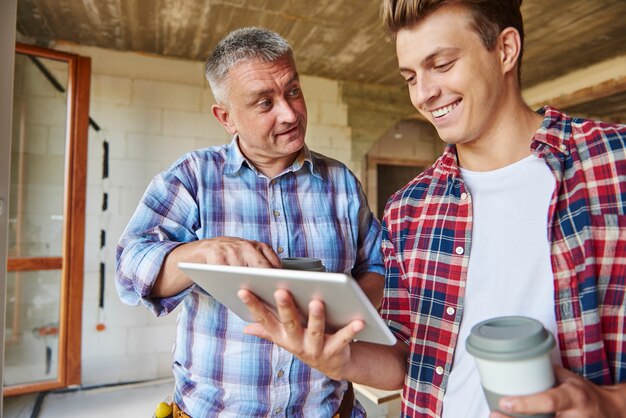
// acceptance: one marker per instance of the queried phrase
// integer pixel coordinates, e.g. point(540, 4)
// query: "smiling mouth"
point(442, 111)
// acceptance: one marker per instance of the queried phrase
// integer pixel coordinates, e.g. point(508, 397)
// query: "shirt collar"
point(235, 160)
point(449, 161)
point(554, 131)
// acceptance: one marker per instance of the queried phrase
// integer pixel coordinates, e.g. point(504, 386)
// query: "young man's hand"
point(573, 397)
point(325, 352)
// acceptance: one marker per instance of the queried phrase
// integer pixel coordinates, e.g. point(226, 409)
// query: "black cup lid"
point(509, 338)
point(302, 263)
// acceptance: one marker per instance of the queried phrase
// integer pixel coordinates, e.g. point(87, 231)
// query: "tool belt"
point(177, 412)
point(347, 403)
point(344, 411)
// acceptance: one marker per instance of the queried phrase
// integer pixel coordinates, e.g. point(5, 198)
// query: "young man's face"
point(266, 110)
point(453, 80)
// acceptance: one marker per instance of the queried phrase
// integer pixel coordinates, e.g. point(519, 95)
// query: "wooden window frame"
point(71, 262)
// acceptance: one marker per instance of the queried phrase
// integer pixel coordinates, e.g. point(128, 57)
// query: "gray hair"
point(242, 45)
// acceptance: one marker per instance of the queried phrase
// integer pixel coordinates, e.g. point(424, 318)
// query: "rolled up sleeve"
point(166, 217)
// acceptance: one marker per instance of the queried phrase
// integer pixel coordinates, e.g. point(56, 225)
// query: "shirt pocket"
point(332, 241)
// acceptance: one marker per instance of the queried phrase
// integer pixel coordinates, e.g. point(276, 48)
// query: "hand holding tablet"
point(344, 301)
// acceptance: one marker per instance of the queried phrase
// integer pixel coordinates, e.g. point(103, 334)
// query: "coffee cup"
point(303, 263)
point(512, 354)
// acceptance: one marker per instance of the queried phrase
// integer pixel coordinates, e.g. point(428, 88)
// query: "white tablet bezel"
point(344, 300)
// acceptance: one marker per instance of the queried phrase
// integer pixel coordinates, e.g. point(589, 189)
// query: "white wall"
point(152, 110)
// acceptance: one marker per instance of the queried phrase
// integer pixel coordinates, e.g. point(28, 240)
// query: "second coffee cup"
point(513, 358)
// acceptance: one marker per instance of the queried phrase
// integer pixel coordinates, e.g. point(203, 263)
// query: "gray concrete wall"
point(372, 110)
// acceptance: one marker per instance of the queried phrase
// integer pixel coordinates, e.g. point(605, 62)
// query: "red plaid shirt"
point(427, 241)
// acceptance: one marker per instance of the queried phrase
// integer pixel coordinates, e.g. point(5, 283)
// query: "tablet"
point(344, 300)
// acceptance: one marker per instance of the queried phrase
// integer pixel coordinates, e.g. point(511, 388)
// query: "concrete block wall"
point(372, 110)
point(328, 131)
point(151, 111)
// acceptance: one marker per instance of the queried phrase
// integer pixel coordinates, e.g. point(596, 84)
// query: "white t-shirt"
point(509, 270)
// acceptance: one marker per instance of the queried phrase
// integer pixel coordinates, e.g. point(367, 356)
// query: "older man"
point(262, 197)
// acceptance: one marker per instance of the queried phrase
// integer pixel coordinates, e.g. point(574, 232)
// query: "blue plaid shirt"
point(315, 208)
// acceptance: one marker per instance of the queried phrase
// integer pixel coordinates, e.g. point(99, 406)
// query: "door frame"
point(71, 262)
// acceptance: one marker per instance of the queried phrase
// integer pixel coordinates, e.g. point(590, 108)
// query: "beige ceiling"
point(339, 39)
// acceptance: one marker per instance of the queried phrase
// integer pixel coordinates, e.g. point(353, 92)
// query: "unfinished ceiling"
point(339, 39)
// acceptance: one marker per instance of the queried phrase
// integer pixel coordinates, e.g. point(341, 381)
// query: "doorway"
point(400, 154)
point(391, 178)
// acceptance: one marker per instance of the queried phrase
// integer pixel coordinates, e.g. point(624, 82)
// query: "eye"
point(265, 103)
point(294, 92)
point(444, 66)
point(410, 80)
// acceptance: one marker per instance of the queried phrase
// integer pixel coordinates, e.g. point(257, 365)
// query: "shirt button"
point(280, 373)
point(450, 310)
point(463, 196)
point(563, 147)
point(276, 213)
point(459, 250)
point(280, 250)
point(278, 410)
point(439, 370)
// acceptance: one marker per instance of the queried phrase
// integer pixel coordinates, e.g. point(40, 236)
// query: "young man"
point(523, 214)
point(260, 198)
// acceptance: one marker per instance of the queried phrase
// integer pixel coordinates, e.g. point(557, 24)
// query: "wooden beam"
point(587, 94)
point(592, 83)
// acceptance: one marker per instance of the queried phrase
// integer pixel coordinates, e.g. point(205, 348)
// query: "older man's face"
point(266, 110)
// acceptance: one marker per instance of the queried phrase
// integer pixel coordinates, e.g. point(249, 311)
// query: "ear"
point(509, 45)
point(222, 115)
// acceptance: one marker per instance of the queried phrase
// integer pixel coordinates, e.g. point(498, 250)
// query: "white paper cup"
point(513, 358)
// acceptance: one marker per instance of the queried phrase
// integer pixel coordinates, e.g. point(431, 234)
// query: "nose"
point(286, 112)
point(424, 90)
